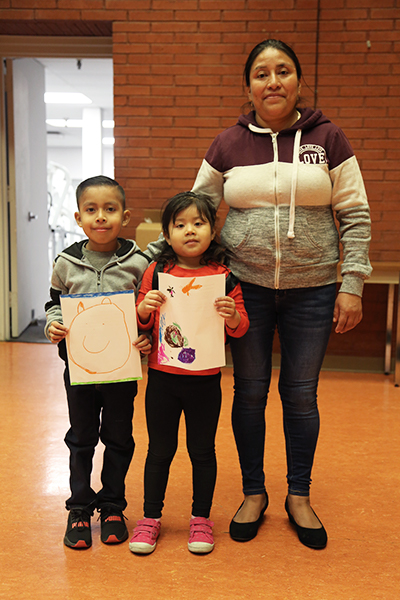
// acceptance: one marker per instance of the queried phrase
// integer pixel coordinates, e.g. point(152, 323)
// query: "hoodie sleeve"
point(209, 180)
point(53, 307)
point(349, 201)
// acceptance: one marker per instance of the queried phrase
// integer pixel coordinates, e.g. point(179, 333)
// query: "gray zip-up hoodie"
point(73, 274)
point(283, 190)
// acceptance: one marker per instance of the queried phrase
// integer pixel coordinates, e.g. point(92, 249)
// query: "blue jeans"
point(303, 318)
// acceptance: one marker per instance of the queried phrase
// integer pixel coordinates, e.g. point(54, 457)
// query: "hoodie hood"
point(309, 119)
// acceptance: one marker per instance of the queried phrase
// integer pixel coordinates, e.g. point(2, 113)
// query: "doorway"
point(18, 305)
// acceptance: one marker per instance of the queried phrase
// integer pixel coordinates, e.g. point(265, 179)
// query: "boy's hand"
point(226, 308)
point(57, 332)
point(143, 344)
point(152, 300)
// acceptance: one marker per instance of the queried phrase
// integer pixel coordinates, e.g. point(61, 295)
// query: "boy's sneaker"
point(112, 524)
point(145, 536)
point(78, 533)
point(201, 539)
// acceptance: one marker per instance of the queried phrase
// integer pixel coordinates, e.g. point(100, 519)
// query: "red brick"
point(206, 15)
point(27, 15)
point(177, 4)
point(174, 26)
point(59, 15)
point(221, 4)
point(78, 4)
point(31, 3)
point(222, 28)
point(150, 15)
point(125, 4)
point(129, 26)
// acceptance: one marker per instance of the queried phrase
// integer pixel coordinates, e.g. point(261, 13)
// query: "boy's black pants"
point(105, 412)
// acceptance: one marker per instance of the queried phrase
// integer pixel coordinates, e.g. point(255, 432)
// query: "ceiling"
point(94, 78)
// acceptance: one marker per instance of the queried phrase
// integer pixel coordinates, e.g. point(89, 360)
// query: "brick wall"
point(177, 83)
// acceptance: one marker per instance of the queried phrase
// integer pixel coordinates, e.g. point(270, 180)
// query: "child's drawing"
point(187, 355)
point(191, 333)
point(94, 334)
point(162, 356)
point(174, 337)
point(99, 341)
point(190, 286)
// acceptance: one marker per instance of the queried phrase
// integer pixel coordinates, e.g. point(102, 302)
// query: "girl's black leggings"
point(199, 397)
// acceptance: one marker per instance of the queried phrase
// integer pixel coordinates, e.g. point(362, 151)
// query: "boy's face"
point(101, 216)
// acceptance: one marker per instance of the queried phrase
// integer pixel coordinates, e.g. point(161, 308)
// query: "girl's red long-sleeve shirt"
point(154, 321)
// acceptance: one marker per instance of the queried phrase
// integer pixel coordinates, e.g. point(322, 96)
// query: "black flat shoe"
point(312, 538)
point(244, 532)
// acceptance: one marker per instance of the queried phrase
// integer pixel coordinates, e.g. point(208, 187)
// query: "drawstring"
point(295, 169)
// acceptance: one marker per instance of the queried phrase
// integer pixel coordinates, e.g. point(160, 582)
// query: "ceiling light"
point(66, 98)
point(108, 124)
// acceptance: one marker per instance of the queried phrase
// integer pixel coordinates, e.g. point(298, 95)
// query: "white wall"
point(71, 158)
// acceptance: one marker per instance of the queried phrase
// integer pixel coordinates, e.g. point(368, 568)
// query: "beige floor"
point(356, 493)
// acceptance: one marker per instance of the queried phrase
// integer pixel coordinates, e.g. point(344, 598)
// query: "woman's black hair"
point(100, 180)
point(215, 253)
point(270, 43)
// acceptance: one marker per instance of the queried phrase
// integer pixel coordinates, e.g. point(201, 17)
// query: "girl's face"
point(189, 237)
point(274, 89)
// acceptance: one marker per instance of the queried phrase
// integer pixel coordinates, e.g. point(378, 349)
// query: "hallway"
point(355, 492)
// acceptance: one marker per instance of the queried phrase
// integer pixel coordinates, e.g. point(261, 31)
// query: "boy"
point(102, 263)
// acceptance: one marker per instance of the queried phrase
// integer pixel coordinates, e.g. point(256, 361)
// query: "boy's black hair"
point(97, 181)
point(215, 253)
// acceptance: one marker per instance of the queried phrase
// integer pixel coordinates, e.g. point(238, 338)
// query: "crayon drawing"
point(102, 328)
point(191, 334)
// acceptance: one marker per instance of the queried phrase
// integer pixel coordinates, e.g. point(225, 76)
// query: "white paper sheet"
point(102, 328)
point(191, 334)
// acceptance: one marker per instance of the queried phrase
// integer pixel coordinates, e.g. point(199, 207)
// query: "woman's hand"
point(347, 312)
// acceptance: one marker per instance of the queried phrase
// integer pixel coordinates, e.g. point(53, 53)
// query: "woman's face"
point(274, 89)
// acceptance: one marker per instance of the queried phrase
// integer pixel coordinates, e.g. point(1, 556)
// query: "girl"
point(190, 250)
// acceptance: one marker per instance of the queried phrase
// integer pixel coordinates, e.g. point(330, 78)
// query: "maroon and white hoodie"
point(283, 190)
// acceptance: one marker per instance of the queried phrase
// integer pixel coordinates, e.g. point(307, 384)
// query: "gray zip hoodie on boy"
point(73, 274)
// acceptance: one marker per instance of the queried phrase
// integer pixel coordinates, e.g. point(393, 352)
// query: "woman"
point(284, 171)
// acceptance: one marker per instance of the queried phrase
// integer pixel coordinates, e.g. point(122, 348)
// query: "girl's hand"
point(226, 308)
point(348, 312)
point(143, 344)
point(151, 302)
point(57, 332)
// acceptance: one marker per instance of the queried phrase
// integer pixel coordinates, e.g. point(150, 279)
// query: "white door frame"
point(34, 47)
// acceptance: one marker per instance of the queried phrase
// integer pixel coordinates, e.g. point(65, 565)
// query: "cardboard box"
point(146, 233)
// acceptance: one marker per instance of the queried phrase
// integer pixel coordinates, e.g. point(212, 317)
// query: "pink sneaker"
point(145, 536)
point(201, 539)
